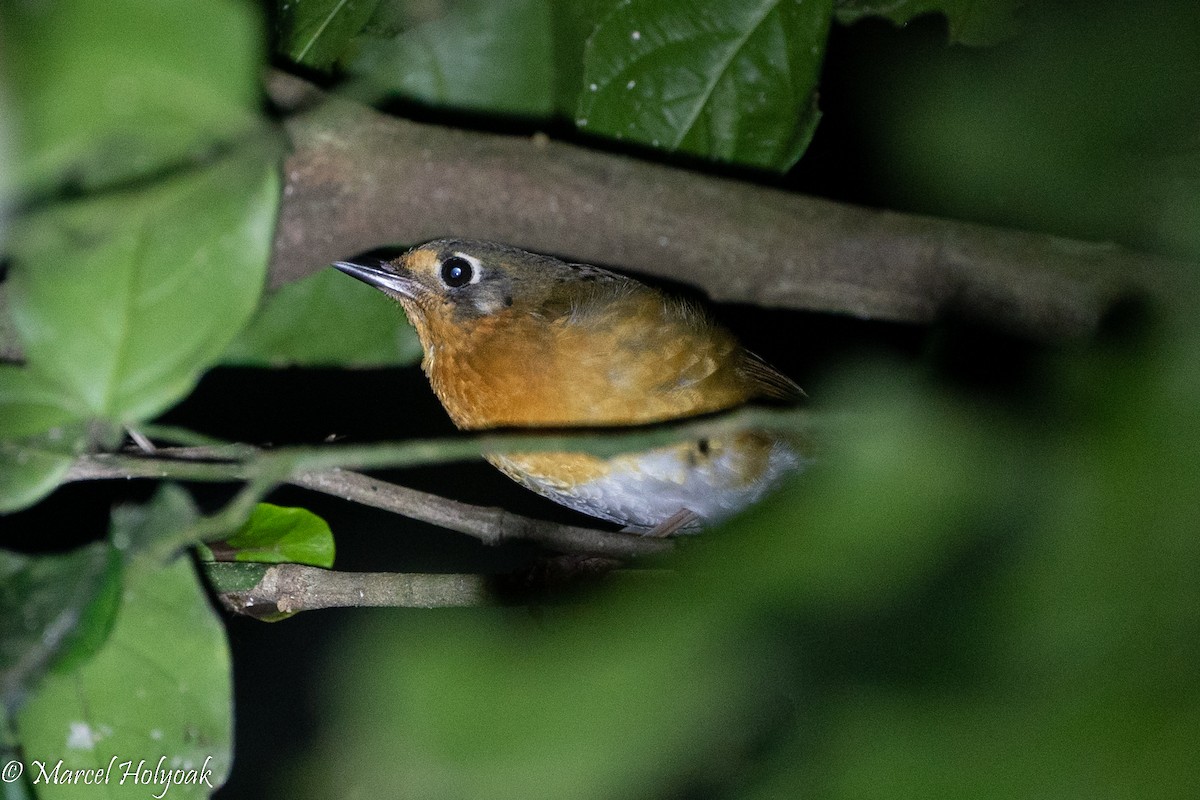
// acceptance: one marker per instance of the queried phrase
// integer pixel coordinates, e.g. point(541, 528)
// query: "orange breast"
point(630, 364)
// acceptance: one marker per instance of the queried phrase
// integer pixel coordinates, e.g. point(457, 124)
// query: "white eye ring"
point(460, 269)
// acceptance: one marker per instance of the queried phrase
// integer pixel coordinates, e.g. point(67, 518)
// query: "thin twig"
point(488, 524)
point(113, 466)
point(320, 469)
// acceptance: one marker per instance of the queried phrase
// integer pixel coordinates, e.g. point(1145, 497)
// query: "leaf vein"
point(320, 31)
point(719, 74)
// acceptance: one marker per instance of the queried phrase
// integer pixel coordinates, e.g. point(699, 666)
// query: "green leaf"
point(232, 576)
point(55, 612)
point(138, 528)
point(27, 405)
point(805, 131)
point(617, 700)
point(7, 168)
point(277, 535)
point(573, 23)
point(121, 301)
point(158, 688)
point(972, 22)
point(671, 682)
point(326, 320)
point(734, 83)
point(104, 92)
point(480, 55)
point(1084, 630)
point(29, 470)
point(1010, 613)
point(1037, 135)
point(316, 33)
point(232, 579)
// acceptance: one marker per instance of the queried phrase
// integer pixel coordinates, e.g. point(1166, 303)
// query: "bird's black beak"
point(382, 277)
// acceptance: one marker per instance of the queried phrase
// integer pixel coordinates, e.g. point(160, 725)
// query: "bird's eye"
point(456, 272)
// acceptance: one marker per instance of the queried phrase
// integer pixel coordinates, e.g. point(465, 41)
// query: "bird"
point(514, 339)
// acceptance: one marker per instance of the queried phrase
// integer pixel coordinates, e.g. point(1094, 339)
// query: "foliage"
point(1087, 154)
point(275, 535)
point(102, 288)
point(121, 298)
point(976, 22)
point(148, 184)
point(826, 646)
point(963, 599)
point(468, 58)
point(323, 321)
point(52, 606)
point(115, 92)
point(314, 33)
point(728, 81)
point(140, 695)
point(732, 81)
point(30, 467)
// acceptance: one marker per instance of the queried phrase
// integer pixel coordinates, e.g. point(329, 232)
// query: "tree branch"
point(322, 469)
point(270, 591)
point(289, 588)
point(358, 179)
point(489, 525)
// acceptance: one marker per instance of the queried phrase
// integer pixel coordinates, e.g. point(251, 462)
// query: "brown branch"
point(358, 179)
point(270, 591)
point(289, 588)
point(489, 525)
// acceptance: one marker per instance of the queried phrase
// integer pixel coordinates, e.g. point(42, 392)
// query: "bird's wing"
point(638, 355)
point(769, 382)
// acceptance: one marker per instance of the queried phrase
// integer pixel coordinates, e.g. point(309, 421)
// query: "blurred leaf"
point(122, 300)
point(7, 168)
point(29, 470)
point(316, 33)
point(492, 704)
point(277, 535)
point(935, 480)
point(638, 693)
point(138, 528)
point(731, 81)
point(1081, 127)
point(573, 23)
point(807, 128)
point(479, 55)
point(326, 320)
point(106, 92)
point(950, 603)
point(55, 612)
point(972, 22)
point(27, 405)
point(159, 686)
point(1087, 685)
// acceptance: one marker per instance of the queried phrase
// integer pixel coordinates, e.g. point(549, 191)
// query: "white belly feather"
point(643, 489)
